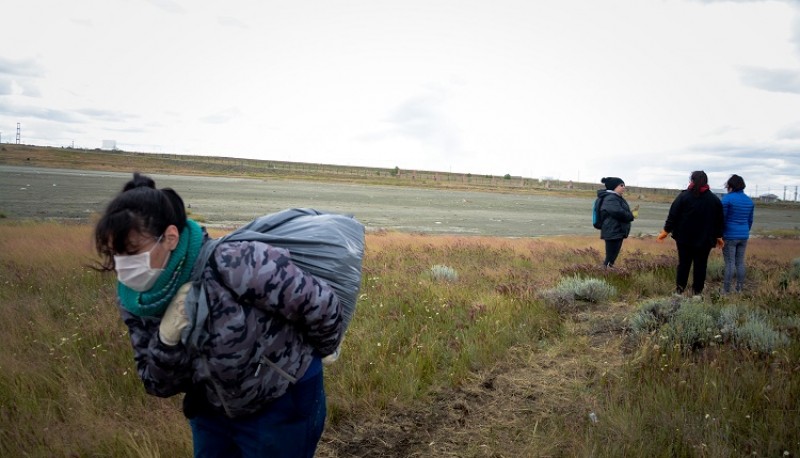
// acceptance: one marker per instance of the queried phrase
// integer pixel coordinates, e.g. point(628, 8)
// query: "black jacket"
point(695, 221)
point(615, 214)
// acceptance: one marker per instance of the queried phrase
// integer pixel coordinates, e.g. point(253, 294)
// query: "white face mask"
point(134, 270)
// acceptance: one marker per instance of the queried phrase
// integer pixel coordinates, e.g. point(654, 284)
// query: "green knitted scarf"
point(154, 301)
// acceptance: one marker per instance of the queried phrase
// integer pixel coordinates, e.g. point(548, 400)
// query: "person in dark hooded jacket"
point(695, 221)
point(615, 217)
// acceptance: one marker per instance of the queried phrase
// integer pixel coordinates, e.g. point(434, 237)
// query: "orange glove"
point(662, 236)
point(720, 243)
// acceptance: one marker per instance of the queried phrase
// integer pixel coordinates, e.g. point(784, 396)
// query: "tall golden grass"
point(477, 366)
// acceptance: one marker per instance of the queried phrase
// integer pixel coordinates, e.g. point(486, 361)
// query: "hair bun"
point(139, 181)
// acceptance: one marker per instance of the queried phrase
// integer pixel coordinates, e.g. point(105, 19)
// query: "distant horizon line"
point(719, 191)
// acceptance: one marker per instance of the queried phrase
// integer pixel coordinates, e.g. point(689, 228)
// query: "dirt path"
point(529, 391)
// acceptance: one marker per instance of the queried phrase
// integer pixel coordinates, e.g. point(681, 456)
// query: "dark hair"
point(139, 207)
point(735, 183)
point(700, 179)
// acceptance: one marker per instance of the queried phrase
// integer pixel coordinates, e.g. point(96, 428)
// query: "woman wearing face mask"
point(695, 221)
point(269, 325)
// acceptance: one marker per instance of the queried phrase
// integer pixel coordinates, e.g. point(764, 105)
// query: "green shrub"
point(575, 288)
point(686, 323)
point(758, 335)
point(443, 273)
point(728, 322)
point(692, 326)
point(644, 322)
point(654, 313)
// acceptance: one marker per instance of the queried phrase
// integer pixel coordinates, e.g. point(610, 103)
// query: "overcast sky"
point(647, 90)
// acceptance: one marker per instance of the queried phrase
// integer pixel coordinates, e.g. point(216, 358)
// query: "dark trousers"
point(289, 428)
point(689, 255)
point(612, 251)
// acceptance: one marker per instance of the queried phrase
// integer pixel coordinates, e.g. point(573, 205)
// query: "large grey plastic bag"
point(327, 245)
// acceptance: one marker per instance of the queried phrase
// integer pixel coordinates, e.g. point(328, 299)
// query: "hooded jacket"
point(268, 322)
point(615, 214)
point(695, 220)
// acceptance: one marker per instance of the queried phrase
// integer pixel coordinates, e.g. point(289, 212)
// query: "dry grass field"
point(470, 339)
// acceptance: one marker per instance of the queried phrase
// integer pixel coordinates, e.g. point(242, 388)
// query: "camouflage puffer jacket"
point(267, 320)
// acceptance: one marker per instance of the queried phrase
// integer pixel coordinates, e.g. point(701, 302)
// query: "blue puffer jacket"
point(738, 210)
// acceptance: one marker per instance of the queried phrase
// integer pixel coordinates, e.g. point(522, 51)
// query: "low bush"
point(756, 334)
point(691, 324)
point(577, 289)
point(443, 273)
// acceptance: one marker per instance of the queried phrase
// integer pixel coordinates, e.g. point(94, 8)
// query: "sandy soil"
point(29, 192)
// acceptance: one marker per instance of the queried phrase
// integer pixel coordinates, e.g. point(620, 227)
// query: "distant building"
point(768, 198)
point(109, 145)
point(719, 192)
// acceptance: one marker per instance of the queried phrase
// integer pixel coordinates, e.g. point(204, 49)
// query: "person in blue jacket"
point(738, 214)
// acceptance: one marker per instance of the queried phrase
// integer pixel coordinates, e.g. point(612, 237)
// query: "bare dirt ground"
point(33, 192)
point(526, 389)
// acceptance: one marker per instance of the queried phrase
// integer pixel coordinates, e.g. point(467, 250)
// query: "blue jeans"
point(733, 253)
point(290, 427)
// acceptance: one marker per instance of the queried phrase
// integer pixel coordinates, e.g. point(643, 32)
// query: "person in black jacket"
point(696, 223)
point(615, 217)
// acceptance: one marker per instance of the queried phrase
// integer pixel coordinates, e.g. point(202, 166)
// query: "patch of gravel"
point(48, 193)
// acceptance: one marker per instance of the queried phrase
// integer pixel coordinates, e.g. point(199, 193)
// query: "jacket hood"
point(603, 192)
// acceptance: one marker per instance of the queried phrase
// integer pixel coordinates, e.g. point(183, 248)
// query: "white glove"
point(174, 319)
point(330, 359)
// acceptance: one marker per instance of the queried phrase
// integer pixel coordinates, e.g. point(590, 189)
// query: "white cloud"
point(773, 80)
point(578, 89)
